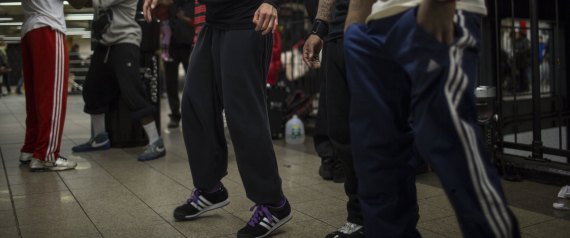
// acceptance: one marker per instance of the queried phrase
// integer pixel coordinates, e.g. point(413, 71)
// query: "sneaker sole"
point(153, 158)
point(106, 147)
point(213, 207)
point(25, 161)
point(51, 169)
point(279, 224)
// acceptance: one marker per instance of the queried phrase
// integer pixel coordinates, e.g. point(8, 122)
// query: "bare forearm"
point(325, 9)
point(358, 10)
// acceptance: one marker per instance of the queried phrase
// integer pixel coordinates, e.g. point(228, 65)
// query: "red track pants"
point(45, 65)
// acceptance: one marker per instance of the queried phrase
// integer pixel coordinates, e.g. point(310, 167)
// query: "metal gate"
point(525, 58)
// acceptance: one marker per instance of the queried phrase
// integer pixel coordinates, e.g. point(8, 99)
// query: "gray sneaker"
point(25, 158)
point(59, 165)
point(153, 151)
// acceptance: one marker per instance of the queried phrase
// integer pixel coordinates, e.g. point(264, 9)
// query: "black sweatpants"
point(227, 71)
point(114, 71)
point(178, 55)
point(337, 110)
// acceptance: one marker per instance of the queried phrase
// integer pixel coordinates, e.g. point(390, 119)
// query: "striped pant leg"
point(48, 70)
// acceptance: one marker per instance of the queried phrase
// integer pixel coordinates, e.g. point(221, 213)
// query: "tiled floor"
point(110, 194)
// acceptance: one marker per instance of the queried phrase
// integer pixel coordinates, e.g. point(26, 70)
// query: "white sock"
point(151, 132)
point(98, 123)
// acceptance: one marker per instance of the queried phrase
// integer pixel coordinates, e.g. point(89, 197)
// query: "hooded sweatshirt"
point(123, 28)
point(233, 14)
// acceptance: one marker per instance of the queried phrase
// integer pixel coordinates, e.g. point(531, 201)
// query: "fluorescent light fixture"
point(78, 33)
point(10, 3)
point(10, 23)
point(79, 17)
point(6, 19)
point(19, 3)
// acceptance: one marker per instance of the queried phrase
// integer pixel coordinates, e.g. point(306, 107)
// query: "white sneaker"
point(25, 158)
point(59, 165)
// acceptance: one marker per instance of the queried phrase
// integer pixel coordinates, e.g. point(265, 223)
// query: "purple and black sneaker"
point(265, 220)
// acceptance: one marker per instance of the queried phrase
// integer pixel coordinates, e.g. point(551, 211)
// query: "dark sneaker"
point(153, 151)
point(25, 158)
point(59, 165)
point(348, 230)
point(201, 202)
point(174, 121)
point(173, 124)
point(265, 220)
point(99, 142)
point(326, 168)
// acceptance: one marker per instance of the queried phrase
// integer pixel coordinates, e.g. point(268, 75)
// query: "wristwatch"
point(320, 28)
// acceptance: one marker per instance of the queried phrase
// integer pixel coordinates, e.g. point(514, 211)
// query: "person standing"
point(4, 68)
point(227, 71)
point(45, 71)
point(114, 72)
point(329, 26)
point(417, 61)
point(181, 24)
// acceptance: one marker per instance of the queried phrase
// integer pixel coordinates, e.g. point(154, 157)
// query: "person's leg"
point(331, 168)
point(166, 35)
point(124, 60)
point(178, 55)
point(443, 104)
point(49, 56)
point(31, 117)
point(244, 61)
point(202, 122)
point(338, 103)
point(202, 128)
point(99, 90)
point(380, 133)
point(6, 78)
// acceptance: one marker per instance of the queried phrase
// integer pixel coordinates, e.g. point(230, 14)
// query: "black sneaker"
point(265, 220)
point(348, 230)
point(201, 202)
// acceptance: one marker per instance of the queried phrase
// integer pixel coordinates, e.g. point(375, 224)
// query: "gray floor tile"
point(552, 229)
point(9, 232)
point(41, 200)
point(7, 219)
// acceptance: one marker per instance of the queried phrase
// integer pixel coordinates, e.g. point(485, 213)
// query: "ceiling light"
point(79, 17)
point(10, 3)
point(6, 19)
point(10, 23)
point(19, 3)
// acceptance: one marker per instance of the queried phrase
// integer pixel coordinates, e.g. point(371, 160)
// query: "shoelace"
point(260, 212)
point(195, 197)
point(349, 228)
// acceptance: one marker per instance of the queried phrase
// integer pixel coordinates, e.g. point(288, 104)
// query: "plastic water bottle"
point(294, 131)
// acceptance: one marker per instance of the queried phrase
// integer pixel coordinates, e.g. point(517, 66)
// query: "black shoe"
point(173, 124)
point(201, 202)
point(326, 168)
point(348, 230)
point(265, 220)
point(174, 120)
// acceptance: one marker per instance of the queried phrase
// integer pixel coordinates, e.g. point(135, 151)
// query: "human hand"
point(148, 6)
point(265, 18)
point(311, 50)
point(436, 17)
